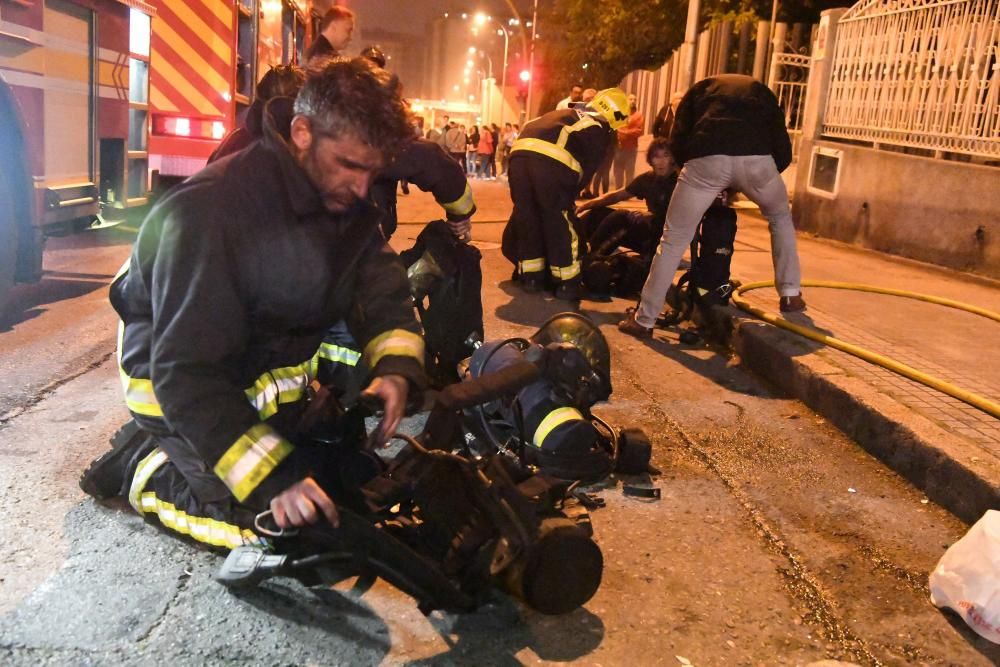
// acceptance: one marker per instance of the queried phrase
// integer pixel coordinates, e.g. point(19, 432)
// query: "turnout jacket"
point(425, 164)
point(233, 281)
point(730, 114)
point(571, 137)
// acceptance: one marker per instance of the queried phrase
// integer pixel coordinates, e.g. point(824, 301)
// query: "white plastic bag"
point(967, 578)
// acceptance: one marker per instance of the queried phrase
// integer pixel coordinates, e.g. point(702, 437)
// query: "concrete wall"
point(936, 211)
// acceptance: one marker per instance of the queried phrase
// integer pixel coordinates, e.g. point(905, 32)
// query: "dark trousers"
point(632, 229)
point(539, 235)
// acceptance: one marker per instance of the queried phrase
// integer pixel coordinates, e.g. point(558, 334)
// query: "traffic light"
point(522, 82)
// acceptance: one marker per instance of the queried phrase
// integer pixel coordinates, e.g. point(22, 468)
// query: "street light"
point(531, 57)
point(489, 62)
point(480, 20)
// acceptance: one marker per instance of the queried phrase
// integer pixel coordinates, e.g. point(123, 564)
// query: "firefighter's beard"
point(337, 196)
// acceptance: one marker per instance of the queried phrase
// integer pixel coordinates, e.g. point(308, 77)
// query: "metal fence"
point(722, 48)
point(788, 81)
point(918, 74)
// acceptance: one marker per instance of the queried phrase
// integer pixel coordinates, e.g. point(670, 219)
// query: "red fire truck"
point(206, 57)
point(99, 99)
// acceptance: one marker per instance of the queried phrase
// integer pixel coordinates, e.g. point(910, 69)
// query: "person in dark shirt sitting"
point(605, 229)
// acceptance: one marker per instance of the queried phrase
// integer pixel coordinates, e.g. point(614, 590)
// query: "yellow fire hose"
point(975, 400)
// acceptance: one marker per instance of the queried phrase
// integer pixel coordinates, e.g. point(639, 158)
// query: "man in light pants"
point(729, 132)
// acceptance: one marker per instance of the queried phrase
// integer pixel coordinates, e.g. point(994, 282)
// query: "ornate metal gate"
point(918, 74)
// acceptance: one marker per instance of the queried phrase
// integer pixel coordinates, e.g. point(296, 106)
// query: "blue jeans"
point(484, 165)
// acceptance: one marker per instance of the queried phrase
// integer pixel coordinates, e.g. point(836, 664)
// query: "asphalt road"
point(776, 540)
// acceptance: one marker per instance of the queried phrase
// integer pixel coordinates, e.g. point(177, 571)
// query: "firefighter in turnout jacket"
point(425, 164)
point(551, 158)
point(235, 278)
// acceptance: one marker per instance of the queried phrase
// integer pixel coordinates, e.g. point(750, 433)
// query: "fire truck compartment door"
point(69, 103)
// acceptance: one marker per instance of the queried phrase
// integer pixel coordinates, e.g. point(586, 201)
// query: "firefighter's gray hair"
point(343, 96)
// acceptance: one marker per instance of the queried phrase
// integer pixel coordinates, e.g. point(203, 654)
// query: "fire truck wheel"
point(8, 245)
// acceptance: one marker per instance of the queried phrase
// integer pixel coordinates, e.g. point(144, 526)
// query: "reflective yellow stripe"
point(573, 270)
point(553, 419)
point(394, 343)
point(209, 531)
point(531, 265)
point(252, 458)
point(565, 272)
point(279, 386)
point(121, 339)
point(548, 149)
point(143, 472)
point(339, 354)
point(139, 396)
point(462, 206)
point(581, 124)
point(272, 389)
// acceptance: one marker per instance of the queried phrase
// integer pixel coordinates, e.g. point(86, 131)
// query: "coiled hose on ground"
point(973, 399)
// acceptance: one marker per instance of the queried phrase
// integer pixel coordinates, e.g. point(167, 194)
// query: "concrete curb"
point(949, 470)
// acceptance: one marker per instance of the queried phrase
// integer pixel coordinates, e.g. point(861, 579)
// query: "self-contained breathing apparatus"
point(443, 525)
point(548, 423)
point(486, 496)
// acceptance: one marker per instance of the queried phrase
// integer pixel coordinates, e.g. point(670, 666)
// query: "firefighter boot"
point(533, 282)
point(568, 290)
point(105, 476)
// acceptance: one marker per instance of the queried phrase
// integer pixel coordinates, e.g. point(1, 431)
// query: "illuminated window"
point(138, 32)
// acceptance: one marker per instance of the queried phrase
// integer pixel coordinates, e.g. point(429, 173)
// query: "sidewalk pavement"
point(945, 447)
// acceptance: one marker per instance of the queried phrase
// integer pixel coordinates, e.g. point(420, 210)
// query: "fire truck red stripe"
point(196, 41)
point(190, 77)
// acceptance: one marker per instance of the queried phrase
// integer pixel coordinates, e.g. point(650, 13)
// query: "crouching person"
point(234, 280)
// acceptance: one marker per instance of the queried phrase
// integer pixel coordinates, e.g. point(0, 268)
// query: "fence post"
point(777, 46)
point(760, 50)
point(744, 50)
point(701, 69)
point(819, 74)
point(725, 47)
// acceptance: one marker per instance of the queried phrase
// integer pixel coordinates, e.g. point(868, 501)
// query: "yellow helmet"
point(612, 103)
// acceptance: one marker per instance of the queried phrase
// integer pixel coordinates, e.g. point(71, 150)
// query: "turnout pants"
point(540, 235)
point(163, 495)
point(699, 182)
point(189, 500)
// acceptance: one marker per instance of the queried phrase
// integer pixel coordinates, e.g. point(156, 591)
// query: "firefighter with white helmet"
point(551, 158)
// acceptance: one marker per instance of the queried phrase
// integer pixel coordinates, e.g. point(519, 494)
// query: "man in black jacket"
point(235, 278)
point(335, 30)
point(729, 132)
